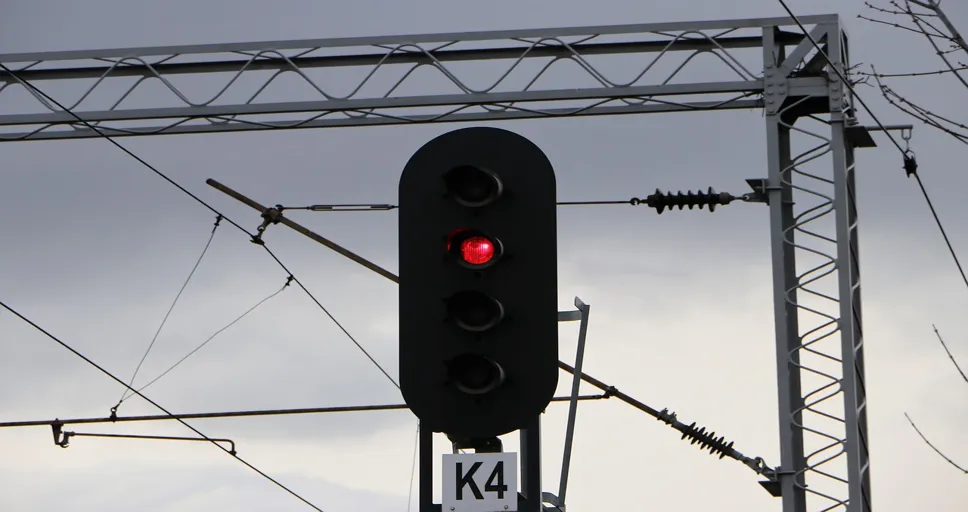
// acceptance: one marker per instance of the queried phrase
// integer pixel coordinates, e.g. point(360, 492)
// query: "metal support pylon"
point(813, 224)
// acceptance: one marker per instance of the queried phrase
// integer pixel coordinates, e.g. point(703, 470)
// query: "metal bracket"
point(583, 310)
point(63, 438)
point(835, 93)
point(556, 504)
point(269, 216)
point(775, 87)
point(60, 438)
point(773, 487)
point(486, 445)
point(858, 136)
point(569, 316)
point(759, 194)
point(772, 484)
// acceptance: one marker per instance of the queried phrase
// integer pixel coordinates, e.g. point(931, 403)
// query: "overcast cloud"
point(95, 246)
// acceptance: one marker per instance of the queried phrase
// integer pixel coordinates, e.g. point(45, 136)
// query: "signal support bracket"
point(759, 193)
point(558, 501)
point(531, 499)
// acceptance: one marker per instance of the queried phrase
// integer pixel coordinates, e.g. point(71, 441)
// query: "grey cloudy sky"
point(95, 246)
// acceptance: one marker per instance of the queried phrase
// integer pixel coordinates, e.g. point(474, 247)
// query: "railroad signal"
point(478, 283)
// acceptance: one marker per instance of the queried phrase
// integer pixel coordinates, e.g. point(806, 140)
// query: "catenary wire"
point(124, 394)
point(210, 338)
point(200, 201)
point(155, 404)
point(335, 321)
point(904, 152)
point(374, 207)
point(247, 414)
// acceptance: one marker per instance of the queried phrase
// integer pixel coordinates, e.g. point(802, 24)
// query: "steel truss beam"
point(688, 66)
point(479, 76)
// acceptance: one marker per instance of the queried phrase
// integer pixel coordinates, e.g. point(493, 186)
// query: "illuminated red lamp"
point(477, 250)
point(474, 249)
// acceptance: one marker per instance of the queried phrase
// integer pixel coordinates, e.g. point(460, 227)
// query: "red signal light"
point(474, 249)
point(477, 250)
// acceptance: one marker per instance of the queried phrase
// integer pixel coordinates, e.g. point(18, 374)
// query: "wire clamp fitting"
point(61, 438)
point(269, 216)
point(910, 160)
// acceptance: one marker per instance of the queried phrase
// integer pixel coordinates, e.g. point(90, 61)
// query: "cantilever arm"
point(277, 216)
point(67, 436)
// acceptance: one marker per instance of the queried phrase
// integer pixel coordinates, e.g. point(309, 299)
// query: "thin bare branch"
point(915, 112)
point(933, 119)
point(955, 38)
point(918, 112)
point(937, 32)
point(918, 73)
point(945, 457)
point(935, 7)
point(888, 23)
point(953, 361)
point(920, 18)
point(883, 10)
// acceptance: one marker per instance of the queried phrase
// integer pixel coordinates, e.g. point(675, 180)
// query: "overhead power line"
point(658, 200)
point(245, 414)
point(155, 404)
point(705, 440)
point(34, 90)
point(910, 164)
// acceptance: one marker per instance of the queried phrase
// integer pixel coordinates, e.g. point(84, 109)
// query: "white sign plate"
point(480, 482)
